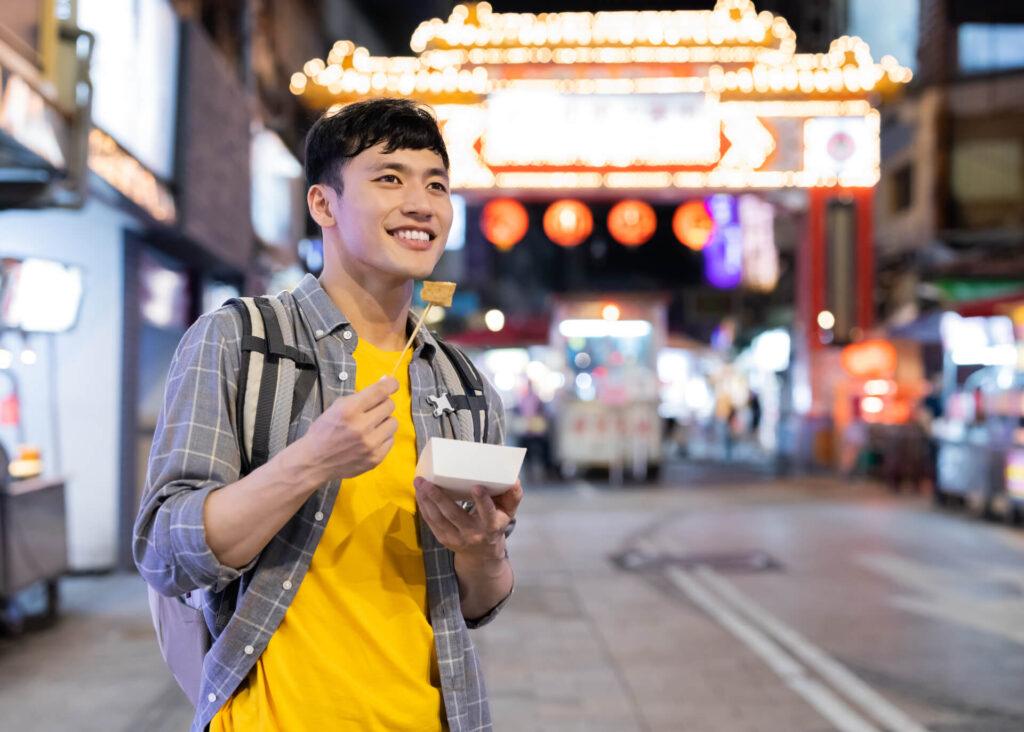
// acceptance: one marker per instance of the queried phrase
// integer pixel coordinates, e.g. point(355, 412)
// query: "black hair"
point(400, 124)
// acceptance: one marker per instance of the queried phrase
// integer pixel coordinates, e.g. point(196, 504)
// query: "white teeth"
point(413, 234)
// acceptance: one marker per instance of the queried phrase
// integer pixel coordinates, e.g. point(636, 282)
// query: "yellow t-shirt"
point(355, 650)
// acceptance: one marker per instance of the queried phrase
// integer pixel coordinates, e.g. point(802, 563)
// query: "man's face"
point(394, 213)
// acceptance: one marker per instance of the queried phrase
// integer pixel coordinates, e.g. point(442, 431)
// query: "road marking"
point(959, 595)
point(841, 678)
point(795, 676)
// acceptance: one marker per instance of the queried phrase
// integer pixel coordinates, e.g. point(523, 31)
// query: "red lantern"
point(568, 222)
point(632, 223)
point(504, 222)
point(693, 225)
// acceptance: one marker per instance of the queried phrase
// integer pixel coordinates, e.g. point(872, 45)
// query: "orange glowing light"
point(693, 225)
point(874, 359)
point(632, 223)
point(504, 222)
point(568, 222)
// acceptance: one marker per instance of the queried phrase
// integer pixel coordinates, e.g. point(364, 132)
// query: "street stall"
point(984, 404)
point(875, 411)
point(516, 357)
point(1014, 473)
point(608, 415)
point(38, 299)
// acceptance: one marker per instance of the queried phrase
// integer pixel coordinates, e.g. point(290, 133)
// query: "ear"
point(318, 200)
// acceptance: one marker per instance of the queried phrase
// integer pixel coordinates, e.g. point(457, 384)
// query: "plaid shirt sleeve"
point(195, 451)
point(496, 436)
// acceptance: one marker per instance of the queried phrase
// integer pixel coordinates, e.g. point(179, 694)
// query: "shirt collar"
point(325, 317)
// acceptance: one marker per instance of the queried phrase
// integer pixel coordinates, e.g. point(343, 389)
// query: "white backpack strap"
point(267, 379)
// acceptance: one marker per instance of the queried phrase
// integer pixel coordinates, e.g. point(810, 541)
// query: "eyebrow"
point(406, 170)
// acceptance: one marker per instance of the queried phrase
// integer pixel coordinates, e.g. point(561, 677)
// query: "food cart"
point(608, 415)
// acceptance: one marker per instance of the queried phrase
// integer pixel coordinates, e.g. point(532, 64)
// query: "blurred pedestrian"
point(535, 433)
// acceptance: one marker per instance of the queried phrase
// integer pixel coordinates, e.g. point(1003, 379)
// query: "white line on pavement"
point(840, 677)
point(830, 706)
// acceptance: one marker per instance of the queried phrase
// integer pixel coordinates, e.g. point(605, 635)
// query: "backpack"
point(275, 380)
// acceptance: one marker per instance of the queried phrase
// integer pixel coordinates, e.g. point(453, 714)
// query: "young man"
point(338, 593)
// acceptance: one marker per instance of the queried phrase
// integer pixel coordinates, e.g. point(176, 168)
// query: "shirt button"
point(287, 584)
point(249, 650)
point(319, 515)
point(212, 697)
point(343, 376)
point(319, 333)
point(347, 335)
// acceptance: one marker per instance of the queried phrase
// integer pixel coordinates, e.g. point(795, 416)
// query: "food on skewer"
point(434, 293)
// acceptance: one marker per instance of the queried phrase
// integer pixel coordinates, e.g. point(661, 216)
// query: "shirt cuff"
point(190, 549)
point(493, 612)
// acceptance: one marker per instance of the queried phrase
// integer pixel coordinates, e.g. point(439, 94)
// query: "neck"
point(377, 308)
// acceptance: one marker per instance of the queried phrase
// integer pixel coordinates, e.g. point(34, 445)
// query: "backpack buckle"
point(440, 404)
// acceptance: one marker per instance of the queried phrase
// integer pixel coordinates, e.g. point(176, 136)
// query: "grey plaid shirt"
point(195, 451)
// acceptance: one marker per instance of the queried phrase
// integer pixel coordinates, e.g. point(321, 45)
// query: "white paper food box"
point(458, 465)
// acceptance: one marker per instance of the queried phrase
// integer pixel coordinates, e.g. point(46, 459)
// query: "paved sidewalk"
point(584, 646)
point(923, 607)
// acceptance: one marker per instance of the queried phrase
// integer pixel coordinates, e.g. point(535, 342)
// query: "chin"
point(417, 268)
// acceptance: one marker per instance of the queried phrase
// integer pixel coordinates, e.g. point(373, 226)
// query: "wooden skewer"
point(408, 343)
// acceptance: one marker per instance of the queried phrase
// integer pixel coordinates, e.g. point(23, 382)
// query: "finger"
point(374, 394)
point(443, 528)
point(378, 414)
point(449, 508)
point(509, 500)
point(382, 451)
point(487, 510)
point(455, 513)
point(383, 432)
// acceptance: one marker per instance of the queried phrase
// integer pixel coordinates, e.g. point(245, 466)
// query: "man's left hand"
point(475, 535)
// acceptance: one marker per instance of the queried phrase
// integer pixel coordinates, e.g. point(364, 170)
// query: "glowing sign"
point(846, 148)
point(978, 341)
point(39, 295)
point(723, 255)
point(529, 128)
point(690, 99)
point(760, 256)
point(870, 359)
point(126, 174)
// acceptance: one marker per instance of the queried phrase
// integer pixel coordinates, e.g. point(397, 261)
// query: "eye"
point(438, 186)
point(388, 178)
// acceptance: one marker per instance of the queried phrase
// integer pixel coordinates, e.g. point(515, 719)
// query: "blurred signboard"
point(134, 76)
point(39, 295)
point(686, 99)
point(278, 203)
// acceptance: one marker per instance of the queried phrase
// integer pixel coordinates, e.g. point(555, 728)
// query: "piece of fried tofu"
point(438, 293)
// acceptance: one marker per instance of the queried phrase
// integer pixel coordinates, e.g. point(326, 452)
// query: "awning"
point(517, 333)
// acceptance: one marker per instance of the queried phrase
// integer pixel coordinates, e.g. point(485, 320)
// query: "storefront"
point(163, 231)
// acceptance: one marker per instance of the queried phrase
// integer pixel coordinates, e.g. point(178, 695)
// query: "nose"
point(417, 204)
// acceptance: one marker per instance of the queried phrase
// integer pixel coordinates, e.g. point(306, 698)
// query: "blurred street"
point(768, 605)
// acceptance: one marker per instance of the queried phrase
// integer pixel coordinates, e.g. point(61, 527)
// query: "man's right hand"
point(353, 435)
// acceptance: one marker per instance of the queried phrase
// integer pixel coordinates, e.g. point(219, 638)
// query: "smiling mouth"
point(416, 237)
